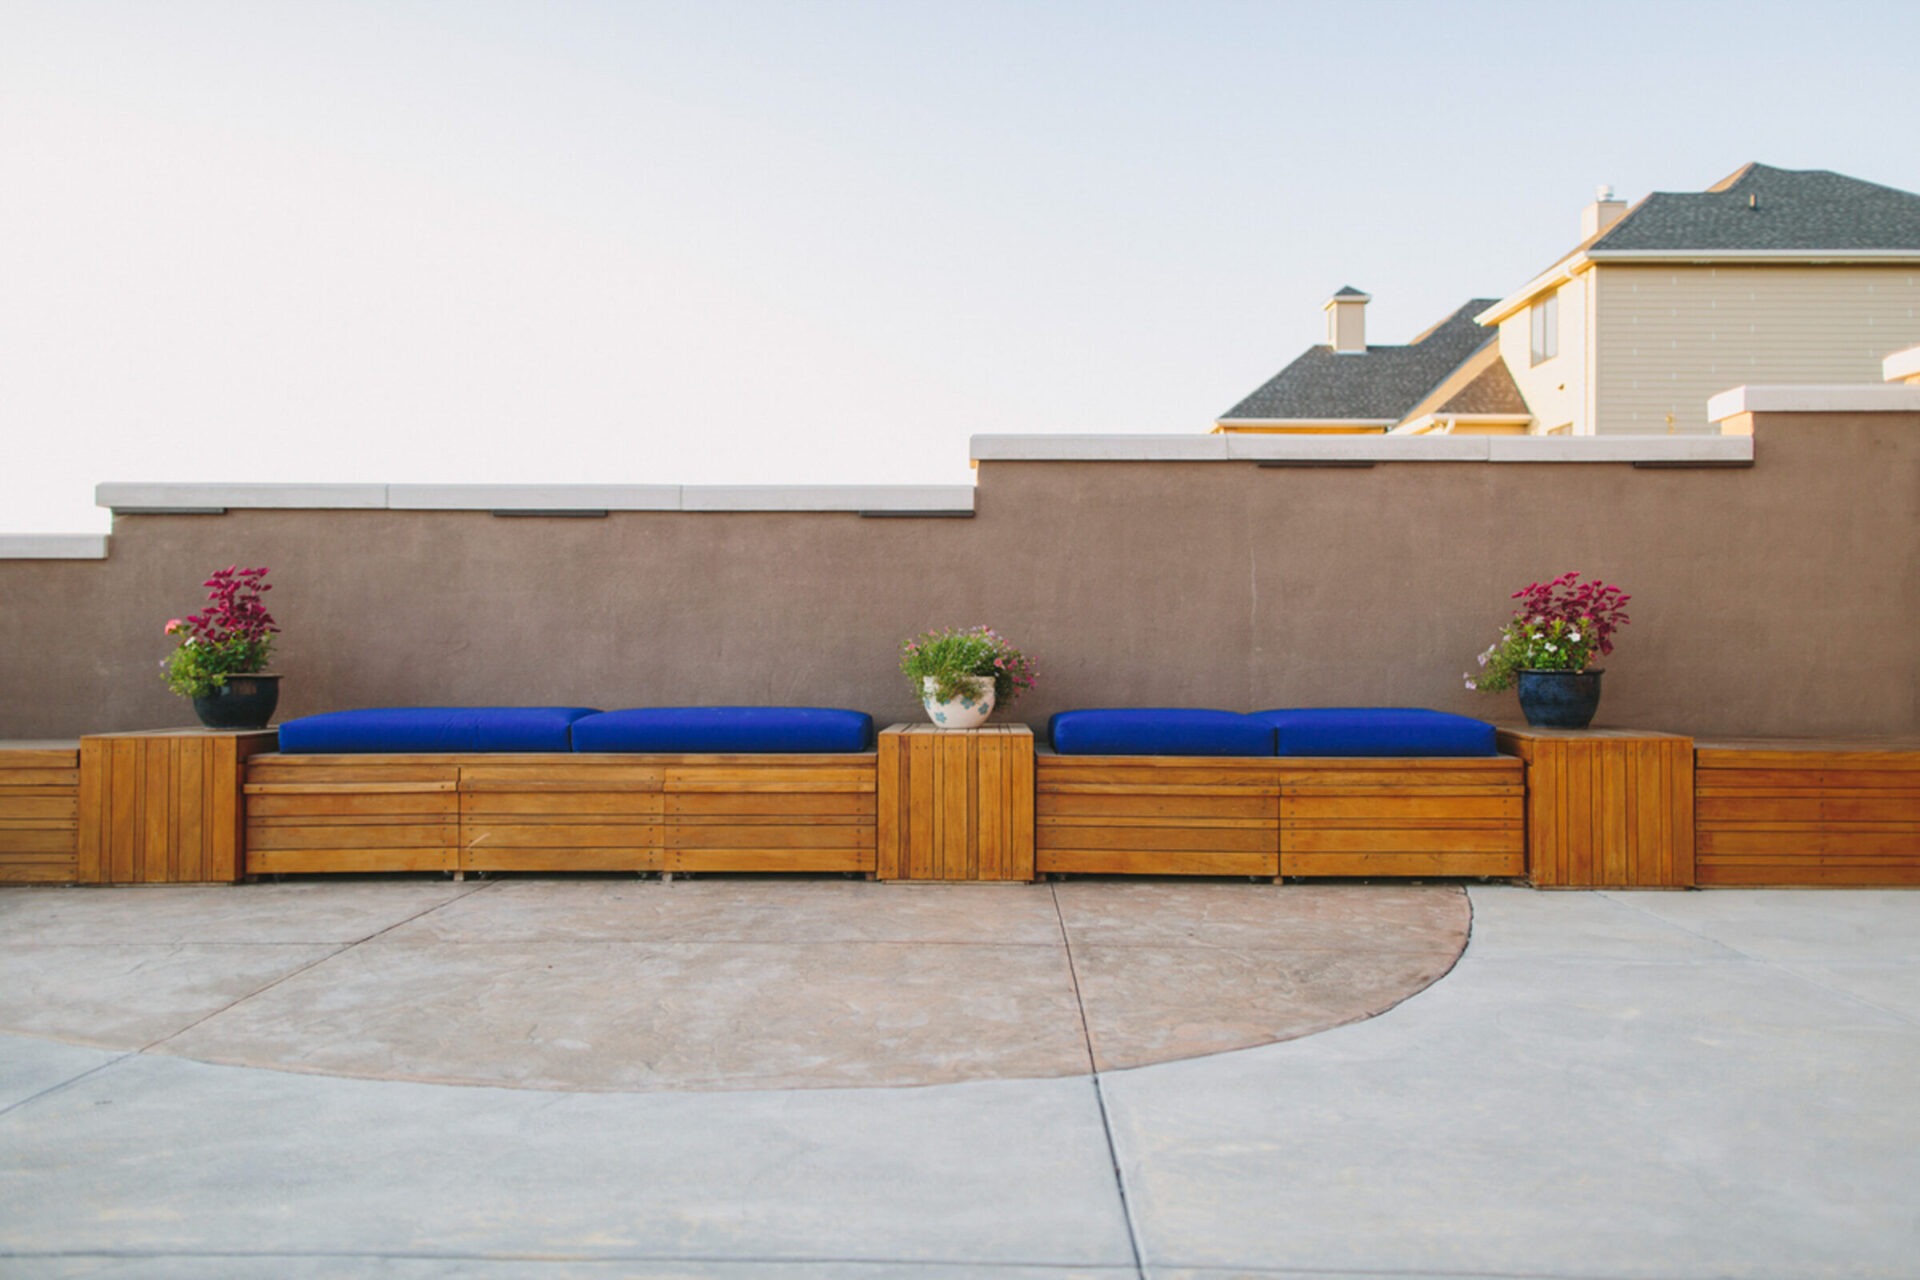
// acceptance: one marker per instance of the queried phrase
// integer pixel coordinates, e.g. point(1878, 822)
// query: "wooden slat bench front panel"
point(39, 813)
point(769, 813)
point(560, 813)
point(587, 812)
point(1402, 817)
point(1156, 815)
point(1807, 813)
point(353, 813)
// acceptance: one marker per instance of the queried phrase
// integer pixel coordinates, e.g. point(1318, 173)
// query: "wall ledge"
point(534, 499)
point(53, 546)
point(1814, 398)
point(1361, 450)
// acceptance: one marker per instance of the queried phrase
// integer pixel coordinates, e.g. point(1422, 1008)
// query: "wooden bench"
point(1788, 812)
point(39, 812)
point(1279, 816)
point(552, 812)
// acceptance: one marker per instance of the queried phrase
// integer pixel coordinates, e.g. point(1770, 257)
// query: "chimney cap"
point(1603, 192)
point(1348, 293)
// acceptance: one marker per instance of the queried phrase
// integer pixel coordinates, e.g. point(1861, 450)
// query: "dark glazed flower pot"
point(244, 702)
point(1559, 699)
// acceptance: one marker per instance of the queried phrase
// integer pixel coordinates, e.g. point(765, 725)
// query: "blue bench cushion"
point(723, 729)
point(405, 730)
point(1377, 731)
point(1159, 732)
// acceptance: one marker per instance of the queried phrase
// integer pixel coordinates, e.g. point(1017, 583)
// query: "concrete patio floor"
point(1604, 1085)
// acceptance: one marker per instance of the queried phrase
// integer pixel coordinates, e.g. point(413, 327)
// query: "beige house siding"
point(1667, 338)
point(1556, 389)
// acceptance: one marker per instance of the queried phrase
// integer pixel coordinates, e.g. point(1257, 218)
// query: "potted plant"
point(961, 676)
point(1545, 648)
point(220, 657)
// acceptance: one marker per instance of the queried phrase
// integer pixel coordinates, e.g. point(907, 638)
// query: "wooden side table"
point(164, 806)
point(1606, 808)
point(956, 804)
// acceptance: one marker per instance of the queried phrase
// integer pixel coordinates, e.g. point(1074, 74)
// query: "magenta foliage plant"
point(232, 635)
point(1561, 625)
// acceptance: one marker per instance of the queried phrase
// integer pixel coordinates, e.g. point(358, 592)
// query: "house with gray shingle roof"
point(1769, 275)
point(1452, 373)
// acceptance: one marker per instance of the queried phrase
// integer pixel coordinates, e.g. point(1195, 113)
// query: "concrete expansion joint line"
point(288, 976)
point(1099, 1091)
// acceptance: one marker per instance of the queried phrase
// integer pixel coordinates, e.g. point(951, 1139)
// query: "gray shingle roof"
point(1789, 209)
point(1379, 383)
point(1494, 391)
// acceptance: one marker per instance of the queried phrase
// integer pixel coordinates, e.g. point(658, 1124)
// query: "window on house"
point(1546, 328)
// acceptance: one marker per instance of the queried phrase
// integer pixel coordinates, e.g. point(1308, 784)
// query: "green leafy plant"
point(1560, 626)
point(232, 636)
point(949, 657)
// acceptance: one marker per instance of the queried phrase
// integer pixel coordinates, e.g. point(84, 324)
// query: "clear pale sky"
point(702, 242)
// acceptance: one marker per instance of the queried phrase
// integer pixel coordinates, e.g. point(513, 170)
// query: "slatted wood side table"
point(956, 804)
point(1606, 808)
point(39, 810)
point(164, 806)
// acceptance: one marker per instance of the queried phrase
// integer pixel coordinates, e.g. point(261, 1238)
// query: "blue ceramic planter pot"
point(243, 702)
point(1559, 699)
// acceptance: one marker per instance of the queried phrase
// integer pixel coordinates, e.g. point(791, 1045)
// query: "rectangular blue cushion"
point(407, 730)
point(725, 729)
point(1145, 731)
point(1378, 731)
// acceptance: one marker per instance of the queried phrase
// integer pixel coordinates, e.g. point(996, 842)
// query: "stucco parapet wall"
point(534, 499)
point(1363, 450)
point(1901, 366)
point(53, 546)
point(1814, 398)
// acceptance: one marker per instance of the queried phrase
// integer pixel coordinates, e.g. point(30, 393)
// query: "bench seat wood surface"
point(584, 812)
point(39, 812)
point(1807, 812)
point(1287, 816)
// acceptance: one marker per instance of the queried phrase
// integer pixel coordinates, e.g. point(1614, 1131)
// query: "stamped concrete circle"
point(715, 983)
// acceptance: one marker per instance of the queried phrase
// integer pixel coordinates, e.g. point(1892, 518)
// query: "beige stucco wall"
point(1556, 390)
point(1780, 599)
point(1670, 337)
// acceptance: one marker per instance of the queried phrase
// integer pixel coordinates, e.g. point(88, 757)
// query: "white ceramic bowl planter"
point(968, 711)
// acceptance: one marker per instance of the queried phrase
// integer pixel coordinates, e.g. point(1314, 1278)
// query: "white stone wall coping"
point(533, 497)
point(827, 497)
point(1361, 450)
point(1901, 365)
point(1192, 447)
point(883, 499)
point(1815, 398)
point(53, 546)
point(139, 496)
point(1656, 449)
